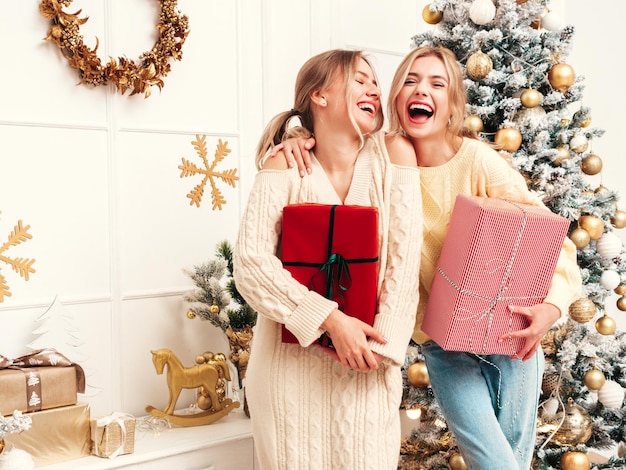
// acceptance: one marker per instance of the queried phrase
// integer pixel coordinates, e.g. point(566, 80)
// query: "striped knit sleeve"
point(400, 288)
point(257, 270)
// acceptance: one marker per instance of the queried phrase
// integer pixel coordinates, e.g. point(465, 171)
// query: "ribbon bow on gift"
point(42, 358)
point(104, 422)
point(338, 279)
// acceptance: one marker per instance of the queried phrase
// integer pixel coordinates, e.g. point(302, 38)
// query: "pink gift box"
point(496, 253)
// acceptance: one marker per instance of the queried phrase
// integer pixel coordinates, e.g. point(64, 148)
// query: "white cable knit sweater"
point(307, 410)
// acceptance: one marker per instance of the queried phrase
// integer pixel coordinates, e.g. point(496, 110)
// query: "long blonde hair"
point(316, 74)
point(456, 89)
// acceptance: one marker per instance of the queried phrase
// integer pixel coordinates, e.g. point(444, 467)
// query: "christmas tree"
point(526, 98)
point(216, 299)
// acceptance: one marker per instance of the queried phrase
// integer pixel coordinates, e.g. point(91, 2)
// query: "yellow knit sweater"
point(478, 170)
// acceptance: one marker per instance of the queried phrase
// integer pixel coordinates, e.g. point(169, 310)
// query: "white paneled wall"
point(95, 173)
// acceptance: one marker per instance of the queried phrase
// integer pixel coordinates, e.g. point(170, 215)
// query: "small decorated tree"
point(217, 300)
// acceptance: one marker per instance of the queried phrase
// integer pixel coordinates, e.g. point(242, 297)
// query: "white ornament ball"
point(550, 408)
point(551, 22)
point(610, 280)
point(530, 116)
point(609, 245)
point(611, 394)
point(482, 12)
point(579, 143)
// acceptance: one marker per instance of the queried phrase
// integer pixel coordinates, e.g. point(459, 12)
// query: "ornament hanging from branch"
point(22, 266)
point(210, 175)
point(125, 74)
point(482, 12)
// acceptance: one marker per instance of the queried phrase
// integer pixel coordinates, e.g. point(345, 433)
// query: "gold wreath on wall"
point(125, 74)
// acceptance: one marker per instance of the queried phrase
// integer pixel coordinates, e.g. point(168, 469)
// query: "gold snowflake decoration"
point(210, 175)
point(22, 266)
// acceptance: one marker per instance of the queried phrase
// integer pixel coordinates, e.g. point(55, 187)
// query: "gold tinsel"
point(125, 74)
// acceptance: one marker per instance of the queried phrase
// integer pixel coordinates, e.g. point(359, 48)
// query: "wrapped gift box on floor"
point(496, 253)
point(56, 435)
point(333, 250)
point(113, 435)
point(40, 380)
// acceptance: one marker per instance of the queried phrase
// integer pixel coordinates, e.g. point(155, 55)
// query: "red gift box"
point(333, 250)
point(496, 253)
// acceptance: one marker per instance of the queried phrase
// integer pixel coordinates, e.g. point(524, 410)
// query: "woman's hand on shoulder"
point(279, 163)
point(295, 151)
point(400, 150)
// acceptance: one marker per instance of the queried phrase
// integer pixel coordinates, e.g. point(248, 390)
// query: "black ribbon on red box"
point(41, 358)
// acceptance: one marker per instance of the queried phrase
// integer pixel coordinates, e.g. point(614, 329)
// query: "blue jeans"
point(490, 404)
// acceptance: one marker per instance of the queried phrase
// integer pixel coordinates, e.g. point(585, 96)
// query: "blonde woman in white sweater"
point(314, 407)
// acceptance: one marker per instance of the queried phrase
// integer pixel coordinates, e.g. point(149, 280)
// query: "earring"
point(323, 102)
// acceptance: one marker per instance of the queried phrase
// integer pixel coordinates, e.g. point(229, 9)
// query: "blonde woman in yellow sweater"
point(489, 401)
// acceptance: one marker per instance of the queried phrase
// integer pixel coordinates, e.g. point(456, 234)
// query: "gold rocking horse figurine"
point(208, 376)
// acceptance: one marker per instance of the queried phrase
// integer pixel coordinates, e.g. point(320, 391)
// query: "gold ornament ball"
point(208, 356)
point(562, 154)
point(621, 303)
point(456, 462)
point(561, 76)
point(203, 402)
point(508, 138)
point(605, 325)
point(431, 17)
point(580, 237)
point(199, 359)
point(619, 219)
point(478, 65)
point(582, 310)
point(620, 290)
point(594, 379)
point(530, 98)
point(214, 309)
point(417, 375)
point(549, 383)
point(575, 461)
point(591, 164)
point(592, 224)
point(191, 315)
point(473, 123)
point(576, 425)
point(586, 122)
point(600, 189)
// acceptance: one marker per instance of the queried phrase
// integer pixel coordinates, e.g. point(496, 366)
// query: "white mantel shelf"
point(224, 445)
